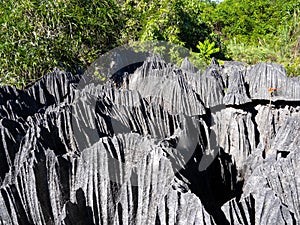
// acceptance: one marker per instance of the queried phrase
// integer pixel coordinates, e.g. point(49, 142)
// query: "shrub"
point(36, 36)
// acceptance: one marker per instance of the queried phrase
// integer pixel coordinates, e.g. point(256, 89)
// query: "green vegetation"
point(262, 30)
point(181, 22)
point(38, 35)
point(206, 50)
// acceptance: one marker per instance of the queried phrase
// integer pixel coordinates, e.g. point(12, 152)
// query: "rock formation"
point(170, 146)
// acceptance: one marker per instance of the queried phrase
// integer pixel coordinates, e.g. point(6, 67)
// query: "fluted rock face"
point(235, 130)
point(271, 189)
point(236, 93)
point(165, 145)
point(262, 76)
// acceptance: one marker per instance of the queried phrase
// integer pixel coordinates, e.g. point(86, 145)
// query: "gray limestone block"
point(152, 85)
point(236, 93)
point(263, 76)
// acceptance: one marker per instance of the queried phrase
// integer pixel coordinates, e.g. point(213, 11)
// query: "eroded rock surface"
point(159, 145)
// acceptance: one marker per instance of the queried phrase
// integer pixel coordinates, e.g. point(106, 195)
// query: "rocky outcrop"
point(262, 76)
point(271, 188)
point(157, 144)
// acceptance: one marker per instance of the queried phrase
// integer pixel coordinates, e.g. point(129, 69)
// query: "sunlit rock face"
point(166, 145)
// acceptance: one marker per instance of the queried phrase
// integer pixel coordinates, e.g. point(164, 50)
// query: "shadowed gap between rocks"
point(209, 185)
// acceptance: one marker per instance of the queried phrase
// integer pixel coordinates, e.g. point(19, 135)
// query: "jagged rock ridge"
point(170, 146)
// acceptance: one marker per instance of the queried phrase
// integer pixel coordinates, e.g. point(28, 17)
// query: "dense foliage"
point(38, 35)
point(261, 30)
